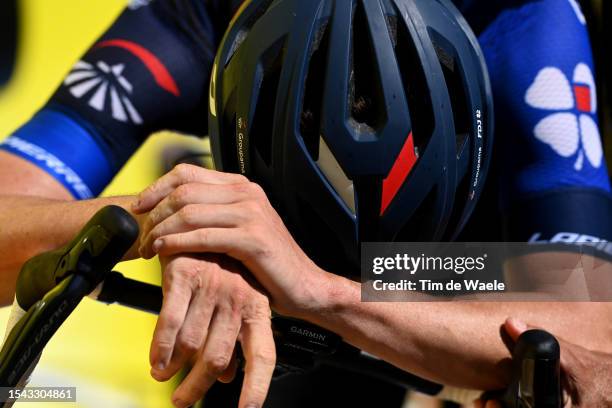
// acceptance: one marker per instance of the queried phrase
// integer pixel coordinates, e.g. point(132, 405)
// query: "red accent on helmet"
point(583, 98)
point(159, 71)
point(399, 172)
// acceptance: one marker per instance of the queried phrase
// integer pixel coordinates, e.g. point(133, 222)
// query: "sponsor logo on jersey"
point(572, 238)
point(51, 162)
point(570, 129)
point(106, 88)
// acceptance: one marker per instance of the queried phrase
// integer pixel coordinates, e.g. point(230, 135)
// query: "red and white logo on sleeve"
point(106, 86)
point(570, 129)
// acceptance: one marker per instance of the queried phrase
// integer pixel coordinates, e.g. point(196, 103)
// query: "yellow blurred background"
point(101, 350)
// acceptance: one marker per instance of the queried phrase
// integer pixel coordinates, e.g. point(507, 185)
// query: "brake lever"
point(52, 284)
point(93, 253)
point(537, 372)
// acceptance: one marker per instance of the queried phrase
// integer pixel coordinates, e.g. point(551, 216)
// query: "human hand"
point(586, 374)
point(208, 307)
point(194, 210)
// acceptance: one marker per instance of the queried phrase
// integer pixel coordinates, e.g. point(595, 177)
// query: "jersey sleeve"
point(148, 72)
point(549, 164)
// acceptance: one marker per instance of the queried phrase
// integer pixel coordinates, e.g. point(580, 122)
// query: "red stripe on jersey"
point(154, 65)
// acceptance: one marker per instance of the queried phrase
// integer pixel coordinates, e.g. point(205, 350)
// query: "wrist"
point(325, 294)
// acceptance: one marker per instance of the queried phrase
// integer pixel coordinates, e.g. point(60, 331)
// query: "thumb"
point(515, 327)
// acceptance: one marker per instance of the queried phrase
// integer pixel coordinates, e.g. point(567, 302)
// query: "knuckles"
point(189, 343)
point(253, 209)
point(183, 271)
point(258, 310)
point(265, 357)
point(216, 365)
point(172, 323)
point(189, 215)
point(240, 297)
point(241, 179)
point(185, 172)
point(257, 192)
point(180, 196)
point(248, 189)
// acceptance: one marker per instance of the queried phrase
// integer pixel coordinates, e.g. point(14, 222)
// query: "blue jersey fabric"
point(66, 149)
point(542, 72)
point(548, 175)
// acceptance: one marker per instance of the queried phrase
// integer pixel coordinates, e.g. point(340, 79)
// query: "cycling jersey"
point(549, 176)
point(150, 72)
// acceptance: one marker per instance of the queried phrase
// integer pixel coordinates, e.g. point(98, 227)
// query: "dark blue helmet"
point(364, 120)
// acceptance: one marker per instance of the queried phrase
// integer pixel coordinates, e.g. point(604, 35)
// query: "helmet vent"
point(310, 119)
point(365, 90)
point(458, 98)
point(414, 81)
point(246, 28)
point(262, 126)
point(392, 26)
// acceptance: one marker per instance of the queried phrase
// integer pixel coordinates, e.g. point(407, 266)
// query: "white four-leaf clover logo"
point(571, 130)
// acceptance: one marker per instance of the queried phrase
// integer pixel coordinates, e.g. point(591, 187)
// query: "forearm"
point(31, 225)
point(455, 343)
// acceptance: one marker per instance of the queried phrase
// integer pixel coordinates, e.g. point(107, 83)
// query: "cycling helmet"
point(364, 120)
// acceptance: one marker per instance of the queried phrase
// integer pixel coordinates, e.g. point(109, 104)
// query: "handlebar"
point(537, 355)
point(51, 285)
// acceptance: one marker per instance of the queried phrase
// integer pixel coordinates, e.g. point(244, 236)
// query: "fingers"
point(177, 297)
point(214, 360)
point(210, 240)
point(190, 217)
point(196, 193)
point(192, 334)
point(230, 374)
point(260, 354)
point(181, 174)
